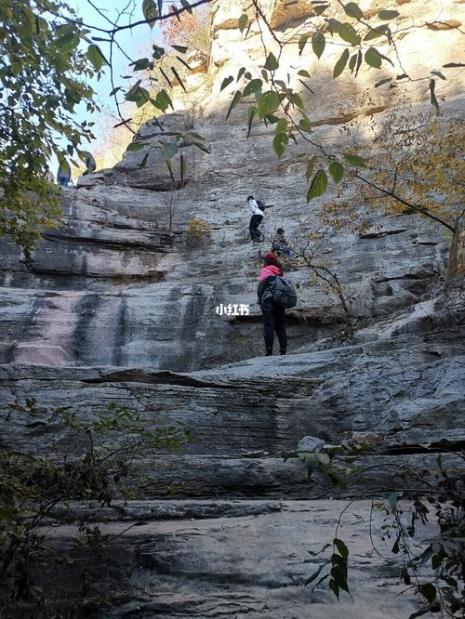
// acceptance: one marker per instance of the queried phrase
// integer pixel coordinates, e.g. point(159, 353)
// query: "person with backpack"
point(275, 295)
point(257, 209)
point(280, 245)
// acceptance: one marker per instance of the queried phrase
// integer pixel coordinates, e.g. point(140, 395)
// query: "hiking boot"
point(269, 353)
point(283, 352)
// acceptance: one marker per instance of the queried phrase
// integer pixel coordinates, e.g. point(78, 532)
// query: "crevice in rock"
point(438, 447)
point(107, 244)
point(163, 377)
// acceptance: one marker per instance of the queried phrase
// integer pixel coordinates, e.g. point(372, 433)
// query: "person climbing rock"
point(48, 175)
point(273, 314)
point(64, 175)
point(280, 245)
point(90, 163)
point(258, 210)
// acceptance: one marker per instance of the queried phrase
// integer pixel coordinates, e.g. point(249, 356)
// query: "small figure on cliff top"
point(64, 174)
point(257, 209)
point(89, 162)
point(275, 295)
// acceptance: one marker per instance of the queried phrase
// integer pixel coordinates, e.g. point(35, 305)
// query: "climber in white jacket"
point(257, 216)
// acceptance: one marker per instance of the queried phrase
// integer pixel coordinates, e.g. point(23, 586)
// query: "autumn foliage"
point(190, 29)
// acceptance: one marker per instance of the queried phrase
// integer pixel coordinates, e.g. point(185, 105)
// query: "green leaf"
point(68, 37)
point(169, 150)
point(254, 86)
point(339, 575)
point(180, 48)
point(310, 167)
point(318, 44)
point(158, 52)
point(359, 62)
point(240, 73)
point(141, 64)
point(281, 125)
point(453, 65)
point(235, 100)
point(419, 613)
point(439, 74)
point(386, 15)
point(333, 25)
point(251, 114)
point(348, 33)
point(341, 63)
point(225, 83)
point(177, 76)
point(373, 58)
point(336, 170)
point(318, 186)
point(132, 90)
point(183, 62)
point(434, 101)
point(242, 22)
point(355, 160)
point(384, 81)
point(374, 33)
point(187, 6)
point(137, 94)
point(305, 124)
point(302, 43)
point(96, 57)
point(271, 63)
point(334, 587)
point(296, 99)
point(428, 590)
point(353, 10)
point(135, 146)
point(150, 11)
point(166, 77)
point(352, 61)
point(303, 73)
point(341, 548)
point(280, 142)
point(162, 101)
point(143, 163)
point(319, 7)
point(272, 119)
point(114, 91)
point(267, 103)
point(202, 147)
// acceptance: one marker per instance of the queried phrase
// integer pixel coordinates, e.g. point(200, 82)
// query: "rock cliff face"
point(119, 306)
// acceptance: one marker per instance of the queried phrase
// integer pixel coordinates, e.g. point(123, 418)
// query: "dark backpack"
point(283, 292)
point(260, 205)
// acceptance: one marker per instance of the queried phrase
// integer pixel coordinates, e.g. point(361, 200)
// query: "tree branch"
point(415, 207)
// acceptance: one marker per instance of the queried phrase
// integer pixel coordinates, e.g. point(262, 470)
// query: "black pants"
point(273, 320)
point(255, 221)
